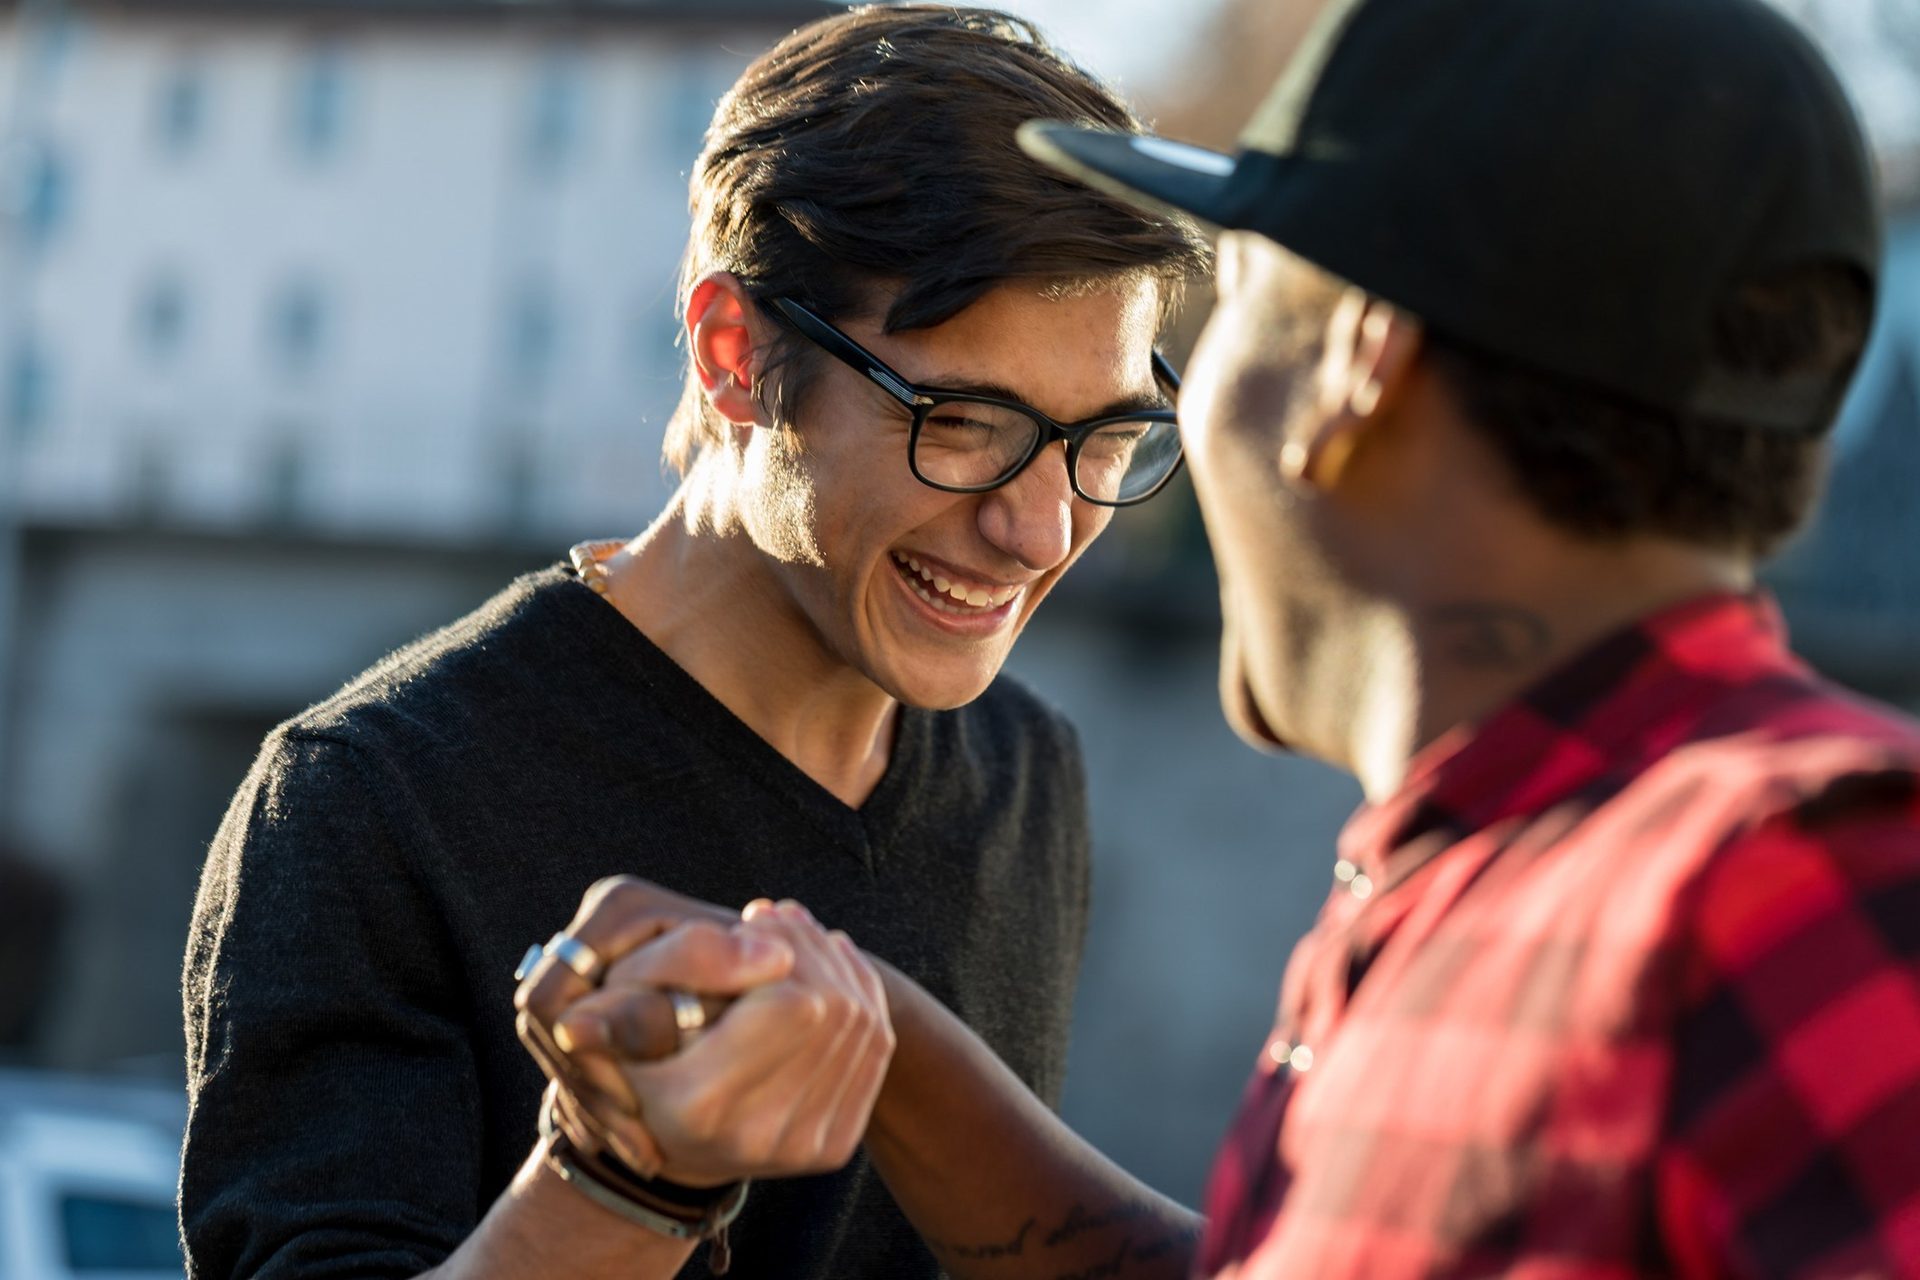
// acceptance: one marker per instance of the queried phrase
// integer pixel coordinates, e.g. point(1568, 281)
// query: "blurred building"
point(317, 321)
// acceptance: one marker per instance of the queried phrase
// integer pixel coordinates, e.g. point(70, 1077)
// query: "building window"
point(35, 192)
point(29, 389)
point(320, 103)
point(519, 478)
point(532, 334)
point(181, 111)
point(555, 112)
point(297, 327)
point(284, 476)
point(161, 318)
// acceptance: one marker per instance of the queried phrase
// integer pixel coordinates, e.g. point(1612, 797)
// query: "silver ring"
point(689, 1015)
point(577, 956)
point(535, 954)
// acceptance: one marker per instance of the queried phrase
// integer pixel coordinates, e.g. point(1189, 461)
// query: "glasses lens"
point(1123, 461)
point(965, 443)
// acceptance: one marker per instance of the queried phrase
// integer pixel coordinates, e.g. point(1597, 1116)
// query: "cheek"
point(1089, 522)
point(782, 503)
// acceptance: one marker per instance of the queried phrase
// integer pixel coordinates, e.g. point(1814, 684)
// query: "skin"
point(1383, 580)
point(771, 577)
point(782, 1085)
point(1419, 589)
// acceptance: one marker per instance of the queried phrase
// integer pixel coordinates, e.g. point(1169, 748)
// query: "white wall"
point(418, 229)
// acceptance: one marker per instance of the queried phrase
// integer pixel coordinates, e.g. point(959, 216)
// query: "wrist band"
point(642, 1202)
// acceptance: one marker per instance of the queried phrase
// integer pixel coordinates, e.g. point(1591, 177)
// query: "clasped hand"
point(781, 1084)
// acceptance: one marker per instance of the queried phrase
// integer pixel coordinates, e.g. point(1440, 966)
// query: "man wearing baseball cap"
point(1532, 320)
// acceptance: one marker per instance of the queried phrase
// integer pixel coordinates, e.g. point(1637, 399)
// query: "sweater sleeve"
point(334, 1124)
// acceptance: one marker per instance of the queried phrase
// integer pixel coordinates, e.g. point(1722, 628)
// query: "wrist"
point(670, 1210)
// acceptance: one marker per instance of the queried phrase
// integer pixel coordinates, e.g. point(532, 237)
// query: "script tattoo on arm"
point(1140, 1245)
point(1488, 635)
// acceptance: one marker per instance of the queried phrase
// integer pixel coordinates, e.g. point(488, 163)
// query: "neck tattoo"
point(1490, 636)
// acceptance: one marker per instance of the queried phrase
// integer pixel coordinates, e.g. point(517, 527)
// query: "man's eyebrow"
point(1000, 391)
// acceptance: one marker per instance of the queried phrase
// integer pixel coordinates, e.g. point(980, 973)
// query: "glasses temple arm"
point(845, 349)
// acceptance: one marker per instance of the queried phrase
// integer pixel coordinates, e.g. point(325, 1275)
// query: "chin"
point(938, 690)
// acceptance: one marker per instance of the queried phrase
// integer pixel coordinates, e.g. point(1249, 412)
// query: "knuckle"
point(839, 1149)
point(608, 889)
point(798, 1005)
point(705, 943)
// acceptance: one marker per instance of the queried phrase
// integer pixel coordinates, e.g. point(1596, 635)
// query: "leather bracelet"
point(676, 1197)
point(618, 1195)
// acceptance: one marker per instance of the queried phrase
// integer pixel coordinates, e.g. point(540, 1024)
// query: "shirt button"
point(1358, 882)
point(1297, 1056)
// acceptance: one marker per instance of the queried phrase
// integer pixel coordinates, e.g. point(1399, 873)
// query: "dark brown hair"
point(1607, 467)
point(873, 150)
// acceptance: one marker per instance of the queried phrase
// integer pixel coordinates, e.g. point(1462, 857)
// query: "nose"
point(1031, 517)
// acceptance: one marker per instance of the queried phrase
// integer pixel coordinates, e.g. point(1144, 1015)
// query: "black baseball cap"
point(1576, 185)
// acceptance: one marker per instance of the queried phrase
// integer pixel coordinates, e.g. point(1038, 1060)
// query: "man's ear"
point(720, 338)
point(1367, 361)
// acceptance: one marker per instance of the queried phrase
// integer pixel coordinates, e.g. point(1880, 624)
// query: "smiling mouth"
point(946, 595)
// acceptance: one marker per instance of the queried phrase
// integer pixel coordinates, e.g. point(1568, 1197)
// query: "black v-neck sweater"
point(358, 1096)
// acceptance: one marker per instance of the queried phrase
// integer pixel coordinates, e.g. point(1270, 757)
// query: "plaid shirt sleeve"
point(1792, 1143)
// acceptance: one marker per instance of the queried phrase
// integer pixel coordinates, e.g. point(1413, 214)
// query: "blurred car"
point(87, 1175)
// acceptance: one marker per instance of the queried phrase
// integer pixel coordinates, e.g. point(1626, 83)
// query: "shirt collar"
point(1626, 699)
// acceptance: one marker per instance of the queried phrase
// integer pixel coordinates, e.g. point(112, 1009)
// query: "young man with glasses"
point(922, 375)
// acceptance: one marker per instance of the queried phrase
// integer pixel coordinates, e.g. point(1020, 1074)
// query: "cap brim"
point(1159, 173)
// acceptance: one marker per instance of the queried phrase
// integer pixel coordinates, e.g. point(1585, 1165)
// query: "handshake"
point(657, 1101)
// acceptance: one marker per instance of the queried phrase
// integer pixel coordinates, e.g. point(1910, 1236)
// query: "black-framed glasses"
point(966, 443)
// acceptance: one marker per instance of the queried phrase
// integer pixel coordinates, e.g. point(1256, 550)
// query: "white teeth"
point(955, 598)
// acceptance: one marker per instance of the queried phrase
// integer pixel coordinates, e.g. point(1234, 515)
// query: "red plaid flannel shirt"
point(1624, 982)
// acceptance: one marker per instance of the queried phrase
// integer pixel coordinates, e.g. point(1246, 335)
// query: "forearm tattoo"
point(1143, 1240)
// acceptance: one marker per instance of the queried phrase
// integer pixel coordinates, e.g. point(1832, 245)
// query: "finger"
point(597, 1130)
point(615, 916)
point(814, 1095)
point(825, 963)
point(553, 985)
point(705, 957)
point(630, 1016)
point(636, 1024)
point(848, 1089)
point(871, 983)
point(739, 1078)
point(723, 1107)
point(593, 1078)
point(854, 1109)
